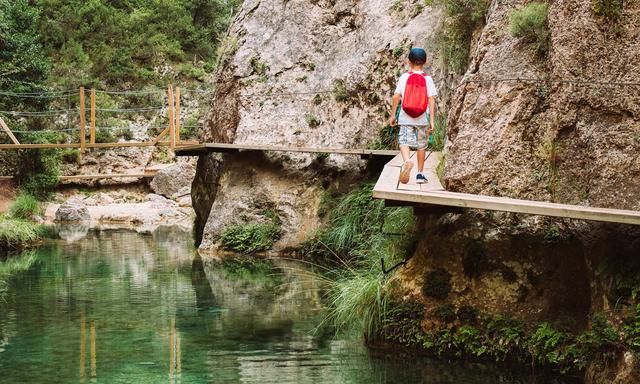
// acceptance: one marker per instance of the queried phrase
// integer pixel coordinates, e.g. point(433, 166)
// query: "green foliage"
point(249, 238)
point(312, 120)
point(340, 92)
point(463, 17)
point(437, 284)
point(387, 138)
point(530, 24)
point(358, 302)
point(439, 136)
point(104, 136)
point(71, 156)
point(610, 10)
point(25, 207)
point(445, 313)
point(402, 323)
point(123, 133)
point(16, 233)
point(126, 40)
point(39, 172)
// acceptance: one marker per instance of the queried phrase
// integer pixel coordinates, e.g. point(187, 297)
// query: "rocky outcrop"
point(73, 210)
point(572, 137)
point(314, 74)
point(172, 181)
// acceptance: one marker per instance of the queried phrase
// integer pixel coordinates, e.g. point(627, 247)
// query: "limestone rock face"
point(573, 142)
point(304, 73)
point(72, 211)
point(171, 180)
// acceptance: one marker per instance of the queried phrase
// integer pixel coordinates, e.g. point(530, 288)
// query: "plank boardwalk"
point(199, 149)
point(433, 193)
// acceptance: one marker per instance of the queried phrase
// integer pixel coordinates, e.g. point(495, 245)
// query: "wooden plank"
point(92, 129)
point(82, 120)
point(464, 200)
point(160, 136)
point(107, 176)
point(38, 146)
point(177, 97)
point(172, 127)
point(222, 147)
point(8, 131)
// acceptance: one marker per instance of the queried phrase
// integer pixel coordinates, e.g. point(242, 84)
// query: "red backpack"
point(415, 100)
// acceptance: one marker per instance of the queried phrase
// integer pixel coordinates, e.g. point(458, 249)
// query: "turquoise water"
point(119, 307)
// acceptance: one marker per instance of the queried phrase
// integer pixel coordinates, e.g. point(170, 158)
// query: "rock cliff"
point(294, 73)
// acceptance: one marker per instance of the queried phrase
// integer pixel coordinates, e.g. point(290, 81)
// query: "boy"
point(417, 92)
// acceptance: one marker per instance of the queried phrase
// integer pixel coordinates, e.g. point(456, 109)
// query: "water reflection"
point(118, 307)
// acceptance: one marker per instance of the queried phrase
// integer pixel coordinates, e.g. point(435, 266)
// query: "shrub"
point(250, 237)
point(39, 172)
point(124, 133)
point(611, 10)
point(439, 136)
point(437, 284)
point(445, 313)
point(454, 35)
point(104, 136)
point(70, 156)
point(530, 24)
point(312, 120)
point(25, 207)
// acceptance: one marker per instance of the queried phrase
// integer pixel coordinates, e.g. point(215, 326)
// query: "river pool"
point(120, 307)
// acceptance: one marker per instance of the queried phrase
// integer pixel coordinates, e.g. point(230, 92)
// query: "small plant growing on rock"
point(530, 24)
point(312, 120)
point(610, 10)
point(445, 313)
point(467, 314)
point(104, 136)
point(437, 284)
point(340, 92)
point(249, 238)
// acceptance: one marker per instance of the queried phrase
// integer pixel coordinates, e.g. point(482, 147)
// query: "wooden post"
point(178, 115)
point(92, 346)
point(92, 129)
point(8, 131)
point(82, 120)
point(172, 127)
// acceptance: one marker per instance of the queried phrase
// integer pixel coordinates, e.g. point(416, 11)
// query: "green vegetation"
point(388, 136)
point(610, 10)
point(463, 17)
point(340, 91)
point(250, 237)
point(39, 172)
point(25, 207)
point(360, 232)
point(530, 24)
point(16, 233)
point(312, 120)
point(437, 284)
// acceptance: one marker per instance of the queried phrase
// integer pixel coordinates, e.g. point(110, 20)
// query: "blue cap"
point(418, 55)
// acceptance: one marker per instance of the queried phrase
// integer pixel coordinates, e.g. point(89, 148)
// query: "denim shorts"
point(414, 136)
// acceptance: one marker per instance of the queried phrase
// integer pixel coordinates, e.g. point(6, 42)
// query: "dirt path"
point(8, 192)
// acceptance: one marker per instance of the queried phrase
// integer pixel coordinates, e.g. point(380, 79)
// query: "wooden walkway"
point(199, 149)
point(433, 193)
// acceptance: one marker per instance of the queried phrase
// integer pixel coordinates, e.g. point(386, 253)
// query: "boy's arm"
point(395, 101)
point(432, 114)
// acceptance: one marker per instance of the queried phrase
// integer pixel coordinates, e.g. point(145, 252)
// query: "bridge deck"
point(433, 193)
point(199, 149)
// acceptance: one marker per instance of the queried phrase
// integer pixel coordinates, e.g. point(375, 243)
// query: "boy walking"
point(417, 92)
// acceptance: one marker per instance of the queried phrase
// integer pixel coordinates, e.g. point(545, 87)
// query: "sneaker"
point(420, 179)
point(405, 173)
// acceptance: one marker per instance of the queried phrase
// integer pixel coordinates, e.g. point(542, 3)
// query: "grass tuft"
point(16, 233)
point(250, 238)
point(25, 207)
point(530, 24)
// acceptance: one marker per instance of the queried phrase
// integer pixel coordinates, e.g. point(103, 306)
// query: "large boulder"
point(169, 181)
point(73, 210)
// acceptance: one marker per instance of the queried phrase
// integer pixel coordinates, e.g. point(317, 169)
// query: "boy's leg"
point(421, 156)
point(405, 140)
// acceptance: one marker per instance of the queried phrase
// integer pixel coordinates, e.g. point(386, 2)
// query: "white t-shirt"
point(403, 118)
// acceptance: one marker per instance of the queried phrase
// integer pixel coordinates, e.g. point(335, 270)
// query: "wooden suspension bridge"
point(432, 193)
point(169, 136)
